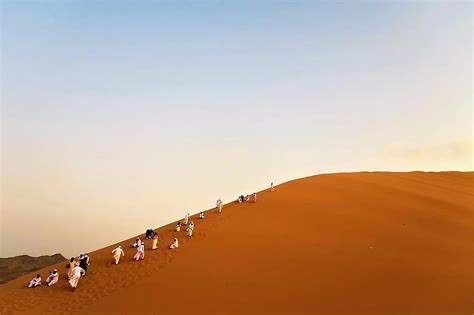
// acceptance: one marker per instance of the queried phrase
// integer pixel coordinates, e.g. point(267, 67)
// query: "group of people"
point(243, 198)
point(77, 268)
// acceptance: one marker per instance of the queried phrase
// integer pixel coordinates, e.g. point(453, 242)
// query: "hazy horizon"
point(121, 116)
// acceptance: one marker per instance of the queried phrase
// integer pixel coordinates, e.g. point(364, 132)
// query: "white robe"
point(186, 219)
point(35, 282)
point(76, 274)
point(118, 252)
point(175, 244)
point(52, 279)
point(140, 252)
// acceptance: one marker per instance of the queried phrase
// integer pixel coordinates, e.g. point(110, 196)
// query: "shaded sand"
point(359, 243)
point(14, 267)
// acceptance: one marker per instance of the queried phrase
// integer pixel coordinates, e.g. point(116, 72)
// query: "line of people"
point(77, 267)
point(243, 198)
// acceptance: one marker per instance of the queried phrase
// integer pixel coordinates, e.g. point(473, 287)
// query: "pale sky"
point(119, 116)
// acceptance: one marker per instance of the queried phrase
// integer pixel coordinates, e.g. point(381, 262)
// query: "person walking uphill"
point(71, 265)
point(219, 205)
point(76, 274)
point(155, 241)
point(140, 252)
point(186, 219)
point(118, 252)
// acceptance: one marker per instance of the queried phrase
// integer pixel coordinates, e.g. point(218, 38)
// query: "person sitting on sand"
point(178, 226)
point(71, 265)
point(155, 241)
point(76, 274)
point(186, 219)
point(35, 282)
point(137, 243)
point(174, 244)
point(201, 215)
point(52, 278)
point(118, 252)
point(140, 252)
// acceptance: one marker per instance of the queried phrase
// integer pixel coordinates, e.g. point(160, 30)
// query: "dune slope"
point(355, 243)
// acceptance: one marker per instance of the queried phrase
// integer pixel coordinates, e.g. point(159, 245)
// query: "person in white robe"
point(190, 229)
point(175, 244)
point(178, 226)
point(52, 278)
point(201, 215)
point(272, 188)
point(155, 241)
point(137, 243)
point(118, 252)
point(186, 219)
point(140, 252)
point(254, 197)
point(77, 272)
point(35, 282)
point(219, 205)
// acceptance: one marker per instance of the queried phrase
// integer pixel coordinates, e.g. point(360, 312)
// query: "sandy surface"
point(360, 243)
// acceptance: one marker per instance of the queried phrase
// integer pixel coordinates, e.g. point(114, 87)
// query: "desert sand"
point(355, 243)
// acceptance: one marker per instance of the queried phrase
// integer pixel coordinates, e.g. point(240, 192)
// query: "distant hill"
point(14, 267)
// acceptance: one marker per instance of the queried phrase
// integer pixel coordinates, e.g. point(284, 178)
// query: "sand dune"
point(356, 243)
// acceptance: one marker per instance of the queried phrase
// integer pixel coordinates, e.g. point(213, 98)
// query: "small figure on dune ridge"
point(201, 215)
point(148, 234)
point(272, 188)
point(219, 205)
point(186, 219)
point(155, 241)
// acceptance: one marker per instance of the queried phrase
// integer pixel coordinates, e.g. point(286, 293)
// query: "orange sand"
point(359, 243)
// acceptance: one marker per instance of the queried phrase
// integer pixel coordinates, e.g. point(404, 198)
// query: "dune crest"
point(352, 243)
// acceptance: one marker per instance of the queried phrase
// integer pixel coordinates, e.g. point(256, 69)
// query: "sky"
point(120, 116)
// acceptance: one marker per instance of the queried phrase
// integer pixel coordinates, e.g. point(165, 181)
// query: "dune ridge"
point(348, 243)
